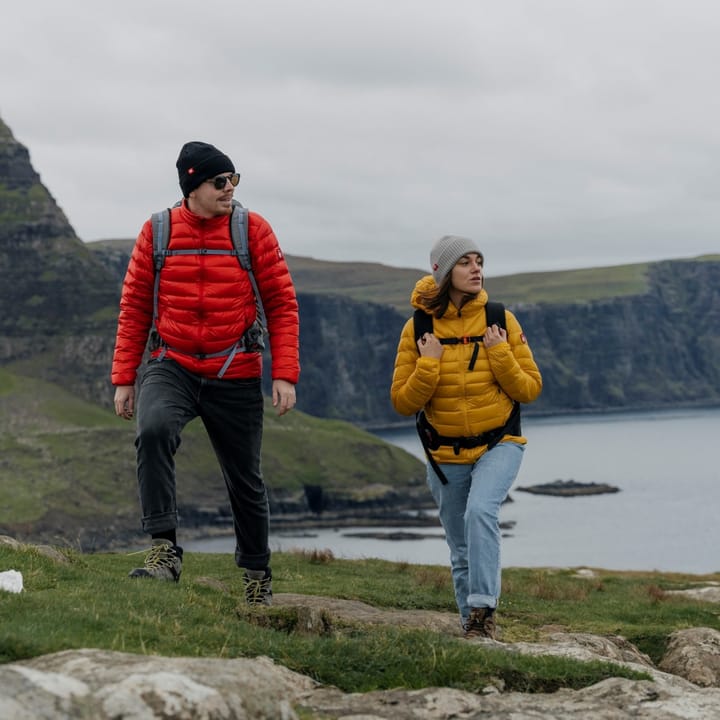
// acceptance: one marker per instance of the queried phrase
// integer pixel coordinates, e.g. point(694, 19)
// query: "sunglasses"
point(221, 180)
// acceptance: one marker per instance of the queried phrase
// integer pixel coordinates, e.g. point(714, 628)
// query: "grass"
point(89, 602)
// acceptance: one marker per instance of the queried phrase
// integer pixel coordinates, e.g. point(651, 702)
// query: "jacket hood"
point(427, 283)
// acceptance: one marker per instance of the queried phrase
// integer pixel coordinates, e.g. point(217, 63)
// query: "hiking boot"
point(480, 623)
point(258, 587)
point(162, 562)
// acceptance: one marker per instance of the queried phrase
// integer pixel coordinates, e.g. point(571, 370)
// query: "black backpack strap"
point(423, 323)
point(495, 314)
point(425, 431)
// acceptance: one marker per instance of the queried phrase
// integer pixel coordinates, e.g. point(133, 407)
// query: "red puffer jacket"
point(206, 302)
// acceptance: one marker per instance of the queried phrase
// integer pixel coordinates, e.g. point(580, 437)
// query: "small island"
point(570, 488)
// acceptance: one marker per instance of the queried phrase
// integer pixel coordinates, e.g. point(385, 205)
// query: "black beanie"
point(199, 161)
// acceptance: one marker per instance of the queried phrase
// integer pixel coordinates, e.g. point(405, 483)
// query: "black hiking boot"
point(258, 587)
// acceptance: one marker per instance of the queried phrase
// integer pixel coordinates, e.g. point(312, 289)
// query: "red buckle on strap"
point(465, 339)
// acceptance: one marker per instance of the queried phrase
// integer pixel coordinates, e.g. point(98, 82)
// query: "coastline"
point(565, 414)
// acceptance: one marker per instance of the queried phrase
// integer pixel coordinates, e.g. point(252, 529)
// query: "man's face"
point(213, 197)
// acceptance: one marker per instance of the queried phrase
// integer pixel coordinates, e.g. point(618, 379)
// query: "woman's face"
point(467, 275)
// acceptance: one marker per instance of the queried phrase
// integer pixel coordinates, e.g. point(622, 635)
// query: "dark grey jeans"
point(232, 412)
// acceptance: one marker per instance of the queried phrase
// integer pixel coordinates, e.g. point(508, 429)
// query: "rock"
point(10, 542)
point(585, 646)
point(694, 654)
point(353, 612)
point(612, 699)
point(568, 488)
point(709, 593)
point(98, 684)
point(101, 685)
point(11, 581)
point(53, 553)
point(586, 573)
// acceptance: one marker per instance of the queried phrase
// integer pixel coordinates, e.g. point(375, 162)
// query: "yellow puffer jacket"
point(459, 402)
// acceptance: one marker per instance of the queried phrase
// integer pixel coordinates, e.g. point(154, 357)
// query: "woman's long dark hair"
point(436, 301)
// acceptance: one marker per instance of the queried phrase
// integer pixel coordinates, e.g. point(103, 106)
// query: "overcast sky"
point(557, 133)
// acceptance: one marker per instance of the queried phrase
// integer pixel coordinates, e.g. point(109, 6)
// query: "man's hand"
point(283, 396)
point(125, 401)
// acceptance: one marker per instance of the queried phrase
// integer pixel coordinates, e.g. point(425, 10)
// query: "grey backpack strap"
point(239, 234)
point(161, 237)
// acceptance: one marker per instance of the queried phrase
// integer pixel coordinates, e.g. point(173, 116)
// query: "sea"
point(664, 517)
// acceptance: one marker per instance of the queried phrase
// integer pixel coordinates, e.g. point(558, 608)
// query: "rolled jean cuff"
point(252, 562)
point(160, 523)
point(482, 601)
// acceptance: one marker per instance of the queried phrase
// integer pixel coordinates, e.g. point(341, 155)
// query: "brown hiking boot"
point(480, 623)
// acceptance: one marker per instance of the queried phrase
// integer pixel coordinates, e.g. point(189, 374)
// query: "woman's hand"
point(429, 346)
point(494, 335)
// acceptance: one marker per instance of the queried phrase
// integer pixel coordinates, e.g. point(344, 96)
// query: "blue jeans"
point(232, 412)
point(469, 508)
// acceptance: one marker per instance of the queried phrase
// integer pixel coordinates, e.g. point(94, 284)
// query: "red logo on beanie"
point(191, 171)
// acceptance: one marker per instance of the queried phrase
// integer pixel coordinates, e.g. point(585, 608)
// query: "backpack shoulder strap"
point(239, 234)
point(423, 323)
point(495, 314)
point(241, 243)
point(161, 237)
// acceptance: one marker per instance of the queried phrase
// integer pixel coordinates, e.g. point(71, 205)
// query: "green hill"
point(68, 467)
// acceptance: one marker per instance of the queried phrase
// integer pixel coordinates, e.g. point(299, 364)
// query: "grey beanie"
point(447, 251)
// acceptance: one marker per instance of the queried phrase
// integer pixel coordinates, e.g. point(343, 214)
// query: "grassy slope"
point(90, 602)
point(64, 458)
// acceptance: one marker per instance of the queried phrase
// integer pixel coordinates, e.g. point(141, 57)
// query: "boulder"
point(99, 684)
point(694, 654)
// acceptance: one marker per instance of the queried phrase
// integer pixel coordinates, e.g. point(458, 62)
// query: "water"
point(664, 517)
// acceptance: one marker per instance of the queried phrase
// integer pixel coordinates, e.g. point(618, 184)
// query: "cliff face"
point(51, 282)
point(58, 306)
point(347, 351)
point(659, 349)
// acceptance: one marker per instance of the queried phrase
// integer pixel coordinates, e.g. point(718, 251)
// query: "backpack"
point(252, 340)
point(494, 315)
point(429, 437)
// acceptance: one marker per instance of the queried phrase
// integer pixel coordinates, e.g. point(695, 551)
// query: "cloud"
point(557, 133)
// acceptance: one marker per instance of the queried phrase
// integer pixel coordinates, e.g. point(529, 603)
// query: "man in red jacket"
point(203, 363)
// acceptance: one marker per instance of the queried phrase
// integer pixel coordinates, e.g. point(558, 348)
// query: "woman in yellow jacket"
point(469, 390)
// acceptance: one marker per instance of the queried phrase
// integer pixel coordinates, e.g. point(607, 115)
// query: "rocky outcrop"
point(54, 292)
point(50, 282)
point(100, 684)
point(569, 488)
